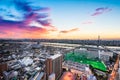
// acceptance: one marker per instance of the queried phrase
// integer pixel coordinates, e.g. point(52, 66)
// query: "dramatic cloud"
point(1, 32)
point(17, 15)
point(101, 10)
point(71, 30)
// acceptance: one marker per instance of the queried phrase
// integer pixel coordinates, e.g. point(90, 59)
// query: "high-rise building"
point(54, 65)
point(3, 67)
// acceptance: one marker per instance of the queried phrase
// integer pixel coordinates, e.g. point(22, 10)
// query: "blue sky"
point(76, 19)
point(70, 13)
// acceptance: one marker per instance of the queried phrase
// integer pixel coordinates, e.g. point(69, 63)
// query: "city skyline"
point(60, 19)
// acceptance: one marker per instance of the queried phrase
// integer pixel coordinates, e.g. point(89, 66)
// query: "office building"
point(54, 65)
point(3, 67)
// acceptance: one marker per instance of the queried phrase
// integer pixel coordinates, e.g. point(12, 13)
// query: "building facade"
point(54, 65)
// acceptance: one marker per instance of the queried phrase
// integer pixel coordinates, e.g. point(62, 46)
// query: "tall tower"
point(98, 42)
point(54, 65)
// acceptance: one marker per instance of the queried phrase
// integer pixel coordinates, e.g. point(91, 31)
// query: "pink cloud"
point(101, 10)
point(71, 30)
point(88, 22)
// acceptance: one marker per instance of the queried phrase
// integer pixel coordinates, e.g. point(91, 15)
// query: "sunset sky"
point(60, 19)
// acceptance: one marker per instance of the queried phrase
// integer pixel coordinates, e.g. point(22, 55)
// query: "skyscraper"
point(54, 65)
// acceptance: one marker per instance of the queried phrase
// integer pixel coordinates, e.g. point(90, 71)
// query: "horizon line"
point(52, 39)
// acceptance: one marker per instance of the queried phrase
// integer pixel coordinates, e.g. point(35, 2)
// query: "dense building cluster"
point(56, 61)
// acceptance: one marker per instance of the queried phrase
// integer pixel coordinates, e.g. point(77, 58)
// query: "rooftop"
point(55, 56)
point(67, 76)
